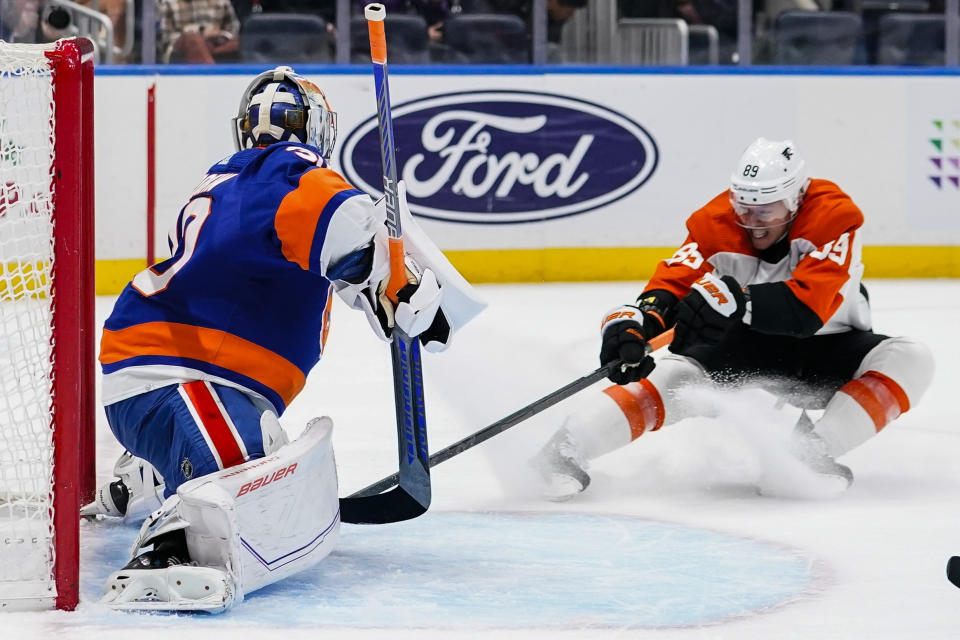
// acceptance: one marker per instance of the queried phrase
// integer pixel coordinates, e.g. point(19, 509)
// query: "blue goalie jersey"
point(244, 299)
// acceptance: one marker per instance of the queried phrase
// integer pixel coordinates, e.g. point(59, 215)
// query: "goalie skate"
point(164, 579)
point(561, 468)
point(175, 588)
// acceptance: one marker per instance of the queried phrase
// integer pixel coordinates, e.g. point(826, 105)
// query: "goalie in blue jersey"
point(204, 351)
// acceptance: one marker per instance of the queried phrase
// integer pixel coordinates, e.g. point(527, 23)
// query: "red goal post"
point(47, 327)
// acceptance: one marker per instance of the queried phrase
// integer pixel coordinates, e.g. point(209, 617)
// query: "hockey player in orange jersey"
point(767, 285)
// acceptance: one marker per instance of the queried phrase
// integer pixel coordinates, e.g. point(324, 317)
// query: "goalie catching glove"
point(417, 312)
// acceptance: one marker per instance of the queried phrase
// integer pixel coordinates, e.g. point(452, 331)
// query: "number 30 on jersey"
point(153, 280)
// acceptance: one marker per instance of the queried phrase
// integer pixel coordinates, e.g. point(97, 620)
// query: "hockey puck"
point(953, 570)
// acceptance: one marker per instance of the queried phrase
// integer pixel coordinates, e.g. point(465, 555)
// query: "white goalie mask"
point(281, 106)
point(769, 172)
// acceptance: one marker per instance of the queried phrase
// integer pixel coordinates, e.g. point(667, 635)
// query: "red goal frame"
point(72, 290)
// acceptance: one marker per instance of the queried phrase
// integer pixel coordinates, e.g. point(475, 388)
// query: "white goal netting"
point(27, 550)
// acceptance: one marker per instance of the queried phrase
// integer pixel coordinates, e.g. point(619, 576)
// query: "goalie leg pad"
point(246, 527)
point(270, 518)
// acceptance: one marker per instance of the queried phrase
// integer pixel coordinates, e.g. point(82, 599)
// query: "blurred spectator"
point(434, 12)
point(722, 14)
point(198, 31)
point(558, 11)
point(326, 9)
point(116, 10)
point(19, 20)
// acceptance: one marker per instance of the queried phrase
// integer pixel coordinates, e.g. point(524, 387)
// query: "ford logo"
point(505, 156)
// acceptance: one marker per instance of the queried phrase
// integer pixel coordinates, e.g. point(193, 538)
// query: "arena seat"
point(285, 37)
point(488, 38)
point(911, 39)
point(816, 37)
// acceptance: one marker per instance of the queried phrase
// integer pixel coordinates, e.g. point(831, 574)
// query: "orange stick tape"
point(398, 270)
point(378, 41)
point(661, 340)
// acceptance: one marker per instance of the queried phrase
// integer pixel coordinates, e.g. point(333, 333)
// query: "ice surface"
point(491, 559)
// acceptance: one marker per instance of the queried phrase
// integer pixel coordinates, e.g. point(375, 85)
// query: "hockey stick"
point(517, 416)
point(411, 497)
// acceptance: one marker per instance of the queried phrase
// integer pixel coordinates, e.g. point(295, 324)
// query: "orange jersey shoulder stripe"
point(828, 220)
point(170, 339)
point(827, 212)
point(300, 211)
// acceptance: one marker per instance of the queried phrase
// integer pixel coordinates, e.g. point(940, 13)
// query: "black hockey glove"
point(622, 341)
point(707, 314)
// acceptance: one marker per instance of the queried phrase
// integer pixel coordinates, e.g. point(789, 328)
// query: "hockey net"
point(46, 318)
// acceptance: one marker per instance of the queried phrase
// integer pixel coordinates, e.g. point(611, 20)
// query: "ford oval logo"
point(505, 156)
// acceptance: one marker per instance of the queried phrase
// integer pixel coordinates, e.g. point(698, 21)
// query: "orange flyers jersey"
point(822, 267)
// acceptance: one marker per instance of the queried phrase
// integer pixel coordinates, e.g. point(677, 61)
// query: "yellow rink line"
point(604, 264)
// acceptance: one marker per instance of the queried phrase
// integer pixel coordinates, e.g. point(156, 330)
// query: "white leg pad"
point(906, 361)
point(673, 373)
point(269, 518)
point(598, 424)
point(846, 425)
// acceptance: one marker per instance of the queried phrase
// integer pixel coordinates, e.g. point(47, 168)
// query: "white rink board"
point(871, 134)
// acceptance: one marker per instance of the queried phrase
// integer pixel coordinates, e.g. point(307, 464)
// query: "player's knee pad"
point(905, 361)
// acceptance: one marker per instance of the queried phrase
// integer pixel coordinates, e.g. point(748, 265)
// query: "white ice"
point(874, 557)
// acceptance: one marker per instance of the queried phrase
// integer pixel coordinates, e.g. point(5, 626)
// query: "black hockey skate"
point(561, 467)
point(169, 550)
point(811, 450)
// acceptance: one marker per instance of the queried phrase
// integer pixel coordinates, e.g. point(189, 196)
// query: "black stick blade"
point(953, 571)
point(395, 505)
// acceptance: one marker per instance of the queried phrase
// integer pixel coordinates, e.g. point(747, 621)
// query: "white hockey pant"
point(892, 378)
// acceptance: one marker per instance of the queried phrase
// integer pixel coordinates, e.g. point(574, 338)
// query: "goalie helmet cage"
point(46, 319)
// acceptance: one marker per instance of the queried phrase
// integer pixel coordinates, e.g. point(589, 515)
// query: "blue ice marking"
point(501, 570)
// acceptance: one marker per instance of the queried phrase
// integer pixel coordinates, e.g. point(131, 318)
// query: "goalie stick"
point(519, 416)
point(411, 497)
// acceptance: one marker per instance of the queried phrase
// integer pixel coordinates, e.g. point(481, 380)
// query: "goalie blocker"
point(244, 527)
